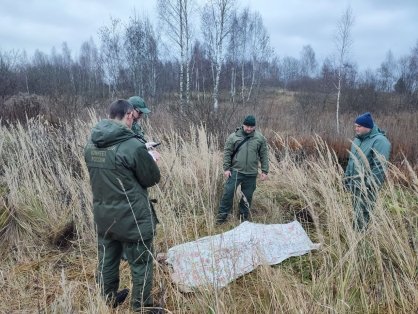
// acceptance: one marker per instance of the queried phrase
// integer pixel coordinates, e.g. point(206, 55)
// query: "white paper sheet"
point(219, 259)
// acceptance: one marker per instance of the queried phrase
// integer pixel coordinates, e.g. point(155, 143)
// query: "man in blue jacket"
point(366, 168)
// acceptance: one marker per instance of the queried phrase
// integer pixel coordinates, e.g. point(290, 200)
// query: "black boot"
point(120, 297)
point(221, 218)
point(243, 217)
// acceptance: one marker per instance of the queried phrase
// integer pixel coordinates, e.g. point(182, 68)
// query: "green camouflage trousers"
point(139, 256)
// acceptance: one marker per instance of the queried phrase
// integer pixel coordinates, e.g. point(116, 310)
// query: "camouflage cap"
point(139, 104)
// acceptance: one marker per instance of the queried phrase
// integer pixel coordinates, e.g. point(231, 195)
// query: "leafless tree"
point(260, 49)
point(387, 73)
point(217, 19)
point(290, 70)
point(90, 72)
point(238, 55)
point(343, 43)
point(111, 53)
point(200, 68)
point(141, 56)
point(23, 67)
point(407, 84)
point(233, 55)
point(8, 67)
point(308, 64)
point(411, 71)
point(176, 16)
point(68, 63)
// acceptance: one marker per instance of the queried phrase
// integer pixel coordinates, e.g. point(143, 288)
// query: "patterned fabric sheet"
point(217, 260)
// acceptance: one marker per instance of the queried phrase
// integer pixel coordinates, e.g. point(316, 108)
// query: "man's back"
point(120, 170)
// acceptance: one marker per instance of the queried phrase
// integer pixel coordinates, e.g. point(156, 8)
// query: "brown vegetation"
point(45, 198)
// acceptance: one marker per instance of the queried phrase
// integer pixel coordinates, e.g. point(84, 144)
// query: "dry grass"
point(301, 116)
point(45, 193)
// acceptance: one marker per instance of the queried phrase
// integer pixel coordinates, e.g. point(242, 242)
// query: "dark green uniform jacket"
point(120, 170)
point(249, 154)
point(364, 164)
point(137, 129)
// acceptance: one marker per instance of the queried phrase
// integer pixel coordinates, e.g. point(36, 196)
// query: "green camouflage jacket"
point(137, 129)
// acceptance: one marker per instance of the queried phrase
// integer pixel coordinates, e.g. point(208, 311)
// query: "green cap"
point(139, 104)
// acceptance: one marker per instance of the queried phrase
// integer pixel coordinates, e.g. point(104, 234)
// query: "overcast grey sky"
point(380, 25)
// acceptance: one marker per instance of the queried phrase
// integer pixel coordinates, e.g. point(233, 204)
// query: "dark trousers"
point(139, 255)
point(248, 185)
point(363, 200)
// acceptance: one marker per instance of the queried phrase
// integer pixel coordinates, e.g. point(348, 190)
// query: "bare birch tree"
point(141, 56)
point(343, 43)
point(175, 17)
point(249, 47)
point(260, 49)
point(216, 25)
point(238, 54)
point(111, 54)
point(234, 41)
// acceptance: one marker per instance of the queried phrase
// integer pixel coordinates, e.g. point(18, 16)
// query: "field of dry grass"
point(47, 238)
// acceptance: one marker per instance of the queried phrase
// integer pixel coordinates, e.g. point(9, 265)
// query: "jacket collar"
point(373, 132)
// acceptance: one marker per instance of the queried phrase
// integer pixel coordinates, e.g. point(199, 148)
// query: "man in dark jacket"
point(365, 172)
point(243, 151)
point(121, 170)
point(141, 109)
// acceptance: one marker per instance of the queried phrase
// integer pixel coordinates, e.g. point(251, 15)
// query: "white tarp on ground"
point(219, 259)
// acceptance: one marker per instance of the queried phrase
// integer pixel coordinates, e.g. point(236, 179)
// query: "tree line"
point(211, 52)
